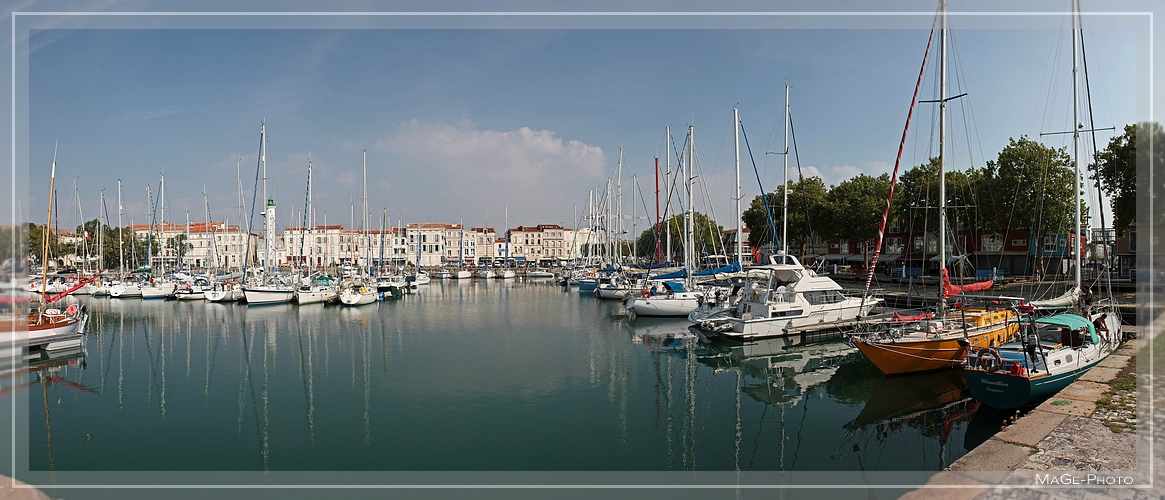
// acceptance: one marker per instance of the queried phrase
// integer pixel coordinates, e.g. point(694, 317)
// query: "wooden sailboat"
point(51, 328)
point(934, 341)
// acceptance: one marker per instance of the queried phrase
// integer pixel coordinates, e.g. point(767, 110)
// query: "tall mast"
point(120, 236)
point(668, 188)
point(44, 262)
point(634, 220)
point(619, 208)
point(100, 230)
point(1076, 126)
point(269, 208)
point(785, 188)
point(364, 210)
point(736, 147)
point(162, 200)
point(942, 147)
point(689, 240)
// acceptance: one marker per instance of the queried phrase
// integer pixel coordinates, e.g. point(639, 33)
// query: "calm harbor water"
point(475, 376)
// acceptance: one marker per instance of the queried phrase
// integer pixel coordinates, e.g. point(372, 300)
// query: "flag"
point(87, 234)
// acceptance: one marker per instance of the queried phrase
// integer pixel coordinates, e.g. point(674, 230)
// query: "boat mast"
point(736, 147)
point(942, 146)
point(667, 215)
point(120, 236)
point(162, 225)
point(364, 213)
point(1076, 126)
point(44, 287)
point(785, 189)
point(269, 208)
point(689, 241)
point(100, 230)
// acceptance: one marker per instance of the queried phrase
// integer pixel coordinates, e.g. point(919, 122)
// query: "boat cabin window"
point(826, 297)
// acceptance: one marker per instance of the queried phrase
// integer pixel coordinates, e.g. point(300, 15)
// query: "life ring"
point(646, 293)
point(71, 310)
point(989, 360)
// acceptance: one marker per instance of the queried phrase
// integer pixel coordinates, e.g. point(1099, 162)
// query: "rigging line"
point(898, 163)
point(800, 177)
point(709, 219)
point(254, 193)
point(764, 196)
point(1096, 165)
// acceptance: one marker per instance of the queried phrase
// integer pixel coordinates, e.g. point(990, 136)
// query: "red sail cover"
point(950, 290)
point(903, 318)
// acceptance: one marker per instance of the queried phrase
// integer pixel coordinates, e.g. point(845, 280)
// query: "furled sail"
point(950, 290)
point(1065, 301)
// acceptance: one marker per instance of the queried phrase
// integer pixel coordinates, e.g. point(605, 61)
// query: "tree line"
point(1028, 186)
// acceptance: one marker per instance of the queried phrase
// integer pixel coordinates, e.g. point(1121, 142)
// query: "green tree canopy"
point(707, 235)
point(855, 206)
point(1028, 186)
point(1116, 166)
point(807, 210)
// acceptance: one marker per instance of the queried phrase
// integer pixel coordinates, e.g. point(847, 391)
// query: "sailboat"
point(359, 291)
point(1052, 351)
point(267, 287)
point(52, 328)
point(933, 341)
point(462, 273)
point(672, 298)
point(507, 273)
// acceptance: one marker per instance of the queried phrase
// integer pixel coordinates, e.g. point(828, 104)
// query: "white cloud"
point(532, 171)
point(841, 173)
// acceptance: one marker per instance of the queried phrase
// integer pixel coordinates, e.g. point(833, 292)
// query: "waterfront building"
point(431, 237)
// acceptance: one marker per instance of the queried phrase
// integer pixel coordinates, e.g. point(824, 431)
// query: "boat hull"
point(264, 295)
point(909, 356)
point(357, 298)
point(757, 328)
point(125, 291)
point(681, 304)
point(158, 291)
point(1005, 391)
point(231, 295)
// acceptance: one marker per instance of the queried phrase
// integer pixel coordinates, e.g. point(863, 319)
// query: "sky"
point(495, 124)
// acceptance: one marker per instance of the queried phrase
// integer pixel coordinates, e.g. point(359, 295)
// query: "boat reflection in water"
point(318, 387)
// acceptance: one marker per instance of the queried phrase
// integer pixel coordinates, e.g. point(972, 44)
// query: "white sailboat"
point(359, 291)
point(671, 298)
point(1053, 351)
point(267, 287)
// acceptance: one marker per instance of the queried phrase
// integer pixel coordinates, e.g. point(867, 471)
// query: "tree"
point(807, 201)
point(1124, 165)
point(855, 207)
point(1028, 186)
point(36, 235)
point(707, 235)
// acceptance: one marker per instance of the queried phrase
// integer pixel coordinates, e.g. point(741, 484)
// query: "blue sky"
point(461, 123)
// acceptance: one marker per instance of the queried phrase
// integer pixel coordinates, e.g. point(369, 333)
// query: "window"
point(992, 243)
point(1049, 243)
point(917, 246)
point(894, 226)
point(1019, 243)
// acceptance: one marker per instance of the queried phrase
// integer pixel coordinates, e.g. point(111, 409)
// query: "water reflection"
point(470, 376)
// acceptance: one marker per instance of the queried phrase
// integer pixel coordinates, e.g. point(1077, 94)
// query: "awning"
point(856, 258)
point(834, 256)
point(887, 257)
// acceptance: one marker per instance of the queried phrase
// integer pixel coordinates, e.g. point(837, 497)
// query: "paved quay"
point(1081, 443)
